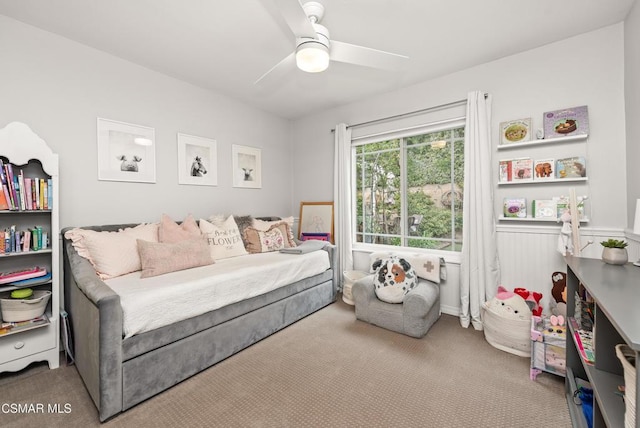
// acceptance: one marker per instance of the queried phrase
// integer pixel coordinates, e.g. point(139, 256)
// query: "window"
point(408, 189)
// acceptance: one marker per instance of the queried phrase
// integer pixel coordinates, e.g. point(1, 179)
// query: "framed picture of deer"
point(197, 161)
point(247, 167)
point(126, 152)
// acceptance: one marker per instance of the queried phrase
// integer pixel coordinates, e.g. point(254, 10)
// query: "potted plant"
point(614, 251)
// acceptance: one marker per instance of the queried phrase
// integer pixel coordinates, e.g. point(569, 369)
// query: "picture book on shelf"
point(562, 205)
point(515, 131)
point(573, 167)
point(544, 209)
point(522, 169)
point(544, 169)
point(515, 207)
point(504, 171)
point(565, 122)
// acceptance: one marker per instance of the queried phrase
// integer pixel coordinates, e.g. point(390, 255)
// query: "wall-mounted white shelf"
point(571, 138)
point(530, 219)
point(555, 180)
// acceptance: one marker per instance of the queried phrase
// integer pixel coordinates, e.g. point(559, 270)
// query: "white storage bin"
point(14, 310)
point(350, 276)
point(626, 355)
point(509, 335)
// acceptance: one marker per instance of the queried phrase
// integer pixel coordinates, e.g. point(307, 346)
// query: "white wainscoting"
point(529, 255)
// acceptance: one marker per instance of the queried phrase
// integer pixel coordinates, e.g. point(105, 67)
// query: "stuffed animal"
point(394, 277)
point(565, 244)
point(510, 305)
point(532, 299)
point(558, 304)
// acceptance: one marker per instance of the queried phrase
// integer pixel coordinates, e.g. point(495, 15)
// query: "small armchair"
point(413, 317)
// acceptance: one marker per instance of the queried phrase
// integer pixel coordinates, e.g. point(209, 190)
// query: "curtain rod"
point(411, 113)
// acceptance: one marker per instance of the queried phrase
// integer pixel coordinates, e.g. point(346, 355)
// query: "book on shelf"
point(27, 193)
point(26, 241)
point(38, 280)
point(515, 207)
point(42, 195)
point(566, 122)
point(584, 342)
point(18, 275)
point(504, 171)
point(49, 193)
point(515, 131)
point(4, 205)
point(7, 197)
point(13, 240)
point(24, 193)
point(573, 167)
point(544, 209)
point(13, 327)
point(562, 205)
point(544, 169)
point(522, 169)
point(36, 236)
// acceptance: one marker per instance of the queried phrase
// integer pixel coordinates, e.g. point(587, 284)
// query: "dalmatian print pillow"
point(394, 277)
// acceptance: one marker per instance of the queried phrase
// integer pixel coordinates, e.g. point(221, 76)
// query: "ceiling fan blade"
point(360, 55)
point(279, 70)
point(296, 18)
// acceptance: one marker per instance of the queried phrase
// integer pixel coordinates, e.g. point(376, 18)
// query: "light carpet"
point(327, 370)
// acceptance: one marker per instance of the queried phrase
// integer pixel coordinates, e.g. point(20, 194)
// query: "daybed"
point(121, 368)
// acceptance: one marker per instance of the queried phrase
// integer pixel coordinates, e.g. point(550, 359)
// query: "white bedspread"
point(154, 302)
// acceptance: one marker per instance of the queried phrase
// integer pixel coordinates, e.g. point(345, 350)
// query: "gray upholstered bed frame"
point(120, 373)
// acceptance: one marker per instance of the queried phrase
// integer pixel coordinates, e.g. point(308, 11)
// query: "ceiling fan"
point(315, 49)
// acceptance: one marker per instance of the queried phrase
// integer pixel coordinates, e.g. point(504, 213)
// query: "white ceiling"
point(225, 45)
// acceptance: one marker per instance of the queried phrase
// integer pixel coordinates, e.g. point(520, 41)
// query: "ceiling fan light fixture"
point(312, 57)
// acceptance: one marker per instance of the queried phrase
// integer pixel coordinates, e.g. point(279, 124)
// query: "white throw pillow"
point(112, 253)
point(224, 239)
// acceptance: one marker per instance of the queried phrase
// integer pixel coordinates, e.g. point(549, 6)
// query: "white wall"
point(632, 103)
point(583, 70)
point(59, 88)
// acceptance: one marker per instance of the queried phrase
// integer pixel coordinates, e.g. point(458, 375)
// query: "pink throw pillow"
point(158, 258)
point(112, 253)
point(171, 232)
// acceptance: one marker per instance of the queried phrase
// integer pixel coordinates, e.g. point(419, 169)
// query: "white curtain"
point(480, 268)
point(342, 199)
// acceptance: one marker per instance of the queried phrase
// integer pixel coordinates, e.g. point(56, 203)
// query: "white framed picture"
point(126, 152)
point(247, 167)
point(197, 160)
